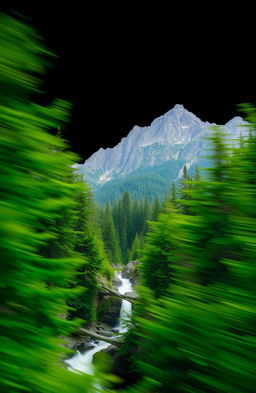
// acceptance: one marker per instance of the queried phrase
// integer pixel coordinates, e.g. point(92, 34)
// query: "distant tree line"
point(124, 224)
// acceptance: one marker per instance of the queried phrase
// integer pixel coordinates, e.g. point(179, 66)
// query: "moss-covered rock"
point(109, 310)
point(131, 271)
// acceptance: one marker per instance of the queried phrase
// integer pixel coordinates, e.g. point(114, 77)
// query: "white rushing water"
point(83, 361)
point(126, 307)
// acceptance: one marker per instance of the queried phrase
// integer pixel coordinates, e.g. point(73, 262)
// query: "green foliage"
point(211, 232)
point(173, 195)
point(109, 236)
point(193, 329)
point(138, 186)
point(88, 243)
point(200, 337)
point(129, 218)
point(136, 249)
point(156, 208)
point(158, 255)
point(34, 193)
point(184, 192)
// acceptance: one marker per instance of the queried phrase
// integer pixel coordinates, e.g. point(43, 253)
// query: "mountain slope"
point(150, 157)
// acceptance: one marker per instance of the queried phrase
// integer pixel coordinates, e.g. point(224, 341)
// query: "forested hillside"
point(124, 225)
point(192, 328)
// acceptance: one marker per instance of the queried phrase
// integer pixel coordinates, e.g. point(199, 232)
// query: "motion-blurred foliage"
point(200, 335)
point(193, 329)
point(36, 210)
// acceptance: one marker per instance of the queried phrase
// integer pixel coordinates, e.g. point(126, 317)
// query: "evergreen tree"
point(155, 209)
point(146, 215)
point(137, 245)
point(173, 193)
point(137, 218)
point(207, 325)
point(197, 175)
point(125, 225)
point(110, 237)
point(213, 204)
point(159, 251)
point(34, 189)
point(185, 192)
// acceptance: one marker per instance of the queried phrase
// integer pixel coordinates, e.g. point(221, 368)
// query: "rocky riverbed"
point(110, 309)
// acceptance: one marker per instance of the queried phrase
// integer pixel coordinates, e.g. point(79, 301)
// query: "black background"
point(121, 67)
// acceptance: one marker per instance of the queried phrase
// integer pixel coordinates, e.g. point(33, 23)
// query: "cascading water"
point(83, 361)
point(126, 307)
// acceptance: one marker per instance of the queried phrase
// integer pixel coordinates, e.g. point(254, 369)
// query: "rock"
point(72, 342)
point(96, 342)
point(131, 271)
point(90, 347)
point(104, 329)
point(131, 294)
point(81, 347)
point(106, 333)
point(109, 310)
point(84, 346)
point(102, 326)
point(116, 282)
point(114, 330)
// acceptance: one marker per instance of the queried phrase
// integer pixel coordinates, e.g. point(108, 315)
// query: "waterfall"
point(83, 361)
point(126, 307)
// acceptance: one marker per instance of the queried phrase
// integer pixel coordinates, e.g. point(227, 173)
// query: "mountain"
point(149, 158)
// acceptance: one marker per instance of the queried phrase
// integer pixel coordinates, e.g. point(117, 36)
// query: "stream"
point(83, 361)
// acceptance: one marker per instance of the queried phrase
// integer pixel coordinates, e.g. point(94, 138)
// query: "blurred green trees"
point(193, 328)
point(159, 252)
point(38, 259)
point(110, 238)
point(200, 335)
point(88, 243)
point(124, 242)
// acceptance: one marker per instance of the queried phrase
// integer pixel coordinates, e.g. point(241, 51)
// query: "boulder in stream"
point(109, 310)
point(131, 294)
point(131, 271)
point(116, 282)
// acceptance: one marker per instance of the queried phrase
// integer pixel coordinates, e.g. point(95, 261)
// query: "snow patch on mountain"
point(176, 136)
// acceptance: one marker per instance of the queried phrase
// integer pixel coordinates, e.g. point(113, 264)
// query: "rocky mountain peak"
point(176, 138)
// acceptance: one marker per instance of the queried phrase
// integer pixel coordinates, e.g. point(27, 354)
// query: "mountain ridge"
point(177, 137)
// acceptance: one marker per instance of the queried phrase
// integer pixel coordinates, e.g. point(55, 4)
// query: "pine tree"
point(137, 217)
point(110, 237)
point(155, 209)
point(185, 192)
point(136, 249)
point(207, 325)
point(34, 189)
point(146, 215)
point(125, 231)
point(173, 193)
point(212, 239)
point(158, 256)
point(197, 175)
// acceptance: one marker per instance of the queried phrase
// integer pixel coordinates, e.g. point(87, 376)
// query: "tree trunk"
point(111, 292)
point(110, 340)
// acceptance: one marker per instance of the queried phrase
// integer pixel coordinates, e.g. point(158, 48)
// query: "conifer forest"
point(185, 322)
